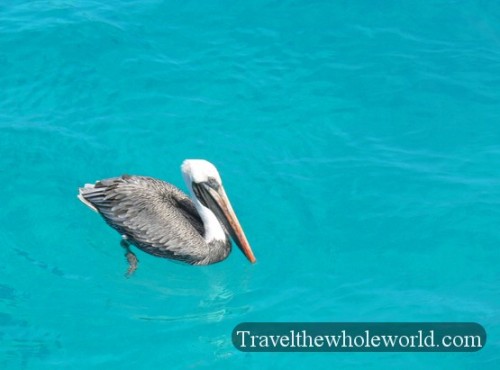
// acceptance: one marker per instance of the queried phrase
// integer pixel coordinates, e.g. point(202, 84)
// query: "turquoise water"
point(359, 143)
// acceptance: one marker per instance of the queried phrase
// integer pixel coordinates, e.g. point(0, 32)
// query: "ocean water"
point(359, 142)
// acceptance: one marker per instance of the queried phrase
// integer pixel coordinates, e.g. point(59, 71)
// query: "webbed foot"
point(132, 260)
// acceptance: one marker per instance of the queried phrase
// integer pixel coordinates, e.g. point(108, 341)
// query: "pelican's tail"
point(81, 195)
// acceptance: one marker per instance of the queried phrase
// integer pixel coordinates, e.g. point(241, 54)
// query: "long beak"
point(218, 202)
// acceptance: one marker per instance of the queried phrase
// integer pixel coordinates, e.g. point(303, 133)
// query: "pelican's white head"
point(199, 170)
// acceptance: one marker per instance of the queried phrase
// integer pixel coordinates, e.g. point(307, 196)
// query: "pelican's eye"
point(213, 183)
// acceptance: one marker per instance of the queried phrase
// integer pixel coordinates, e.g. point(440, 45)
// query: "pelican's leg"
point(131, 257)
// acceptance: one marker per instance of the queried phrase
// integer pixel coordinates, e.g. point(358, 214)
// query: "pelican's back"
point(152, 214)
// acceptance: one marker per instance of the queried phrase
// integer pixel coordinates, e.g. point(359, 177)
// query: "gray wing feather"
point(154, 215)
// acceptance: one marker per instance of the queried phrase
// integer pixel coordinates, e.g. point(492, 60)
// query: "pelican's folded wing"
point(153, 214)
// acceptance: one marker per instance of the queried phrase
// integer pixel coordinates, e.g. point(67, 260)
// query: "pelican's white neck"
point(213, 228)
point(199, 170)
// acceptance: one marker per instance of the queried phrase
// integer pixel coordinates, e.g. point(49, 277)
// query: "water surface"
point(359, 143)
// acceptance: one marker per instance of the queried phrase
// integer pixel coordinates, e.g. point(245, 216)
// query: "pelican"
point(161, 220)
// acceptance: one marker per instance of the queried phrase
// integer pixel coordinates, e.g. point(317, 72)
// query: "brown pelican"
point(161, 220)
